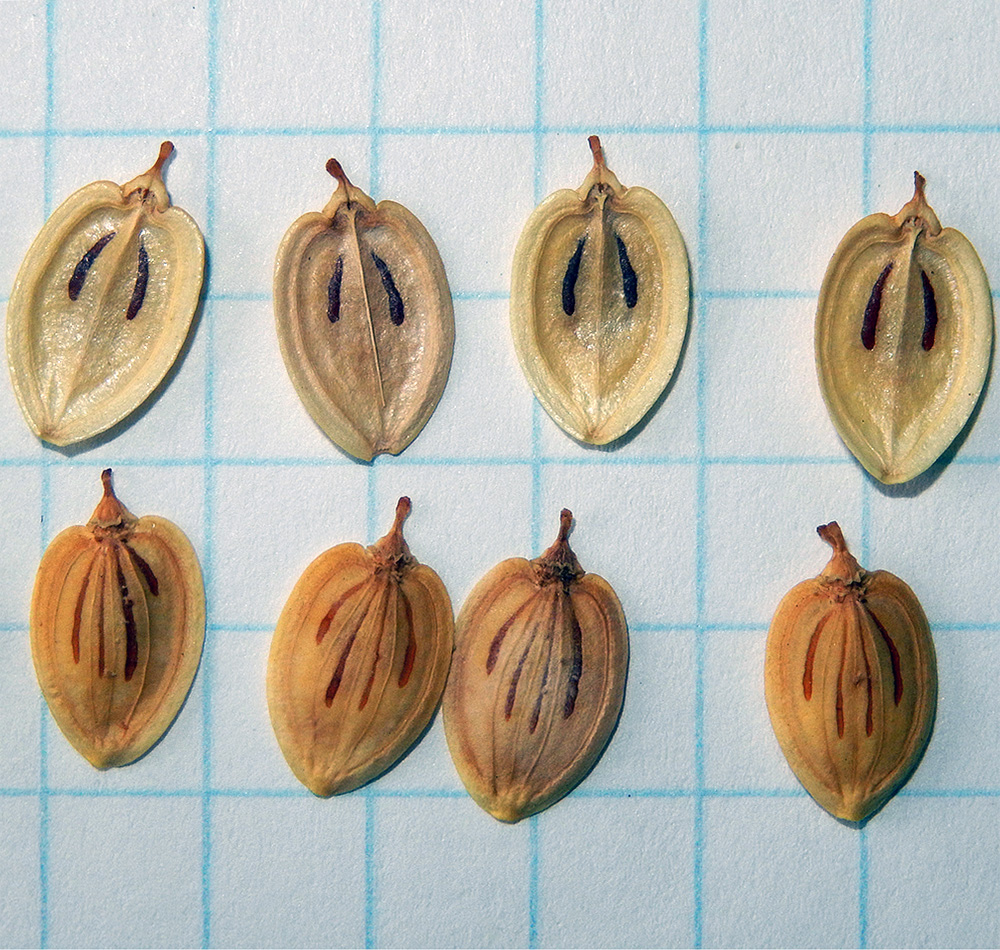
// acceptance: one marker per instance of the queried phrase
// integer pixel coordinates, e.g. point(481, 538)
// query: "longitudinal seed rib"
point(897, 678)
point(348, 633)
point(348, 694)
point(142, 566)
point(324, 624)
point(576, 668)
point(840, 645)
point(411, 643)
point(117, 621)
point(807, 674)
point(128, 618)
point(537, 680)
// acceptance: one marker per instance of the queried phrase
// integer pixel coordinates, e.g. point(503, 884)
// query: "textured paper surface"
point(768, 128)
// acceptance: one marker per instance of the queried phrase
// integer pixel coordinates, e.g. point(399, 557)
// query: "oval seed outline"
point(537, 680)
point(598, 370)
point(364, 320)
point(117, 626)
point(850, 679)
point(358, 661)
point(904, 332)
point(102, 304)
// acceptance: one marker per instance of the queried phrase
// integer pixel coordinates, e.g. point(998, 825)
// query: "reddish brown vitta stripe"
point(117, 625)
point(358, 661)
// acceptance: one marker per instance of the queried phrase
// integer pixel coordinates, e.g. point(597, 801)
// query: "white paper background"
point(768, 128)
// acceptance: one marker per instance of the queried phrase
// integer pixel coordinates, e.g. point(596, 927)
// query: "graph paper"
point(768, 128)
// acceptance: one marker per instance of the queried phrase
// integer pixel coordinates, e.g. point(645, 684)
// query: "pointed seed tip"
point(594, 141)
point(336, 170)
point(832, 535)
point(109, 509)
point(565, 523)
point(403, 508)
point(166, 150)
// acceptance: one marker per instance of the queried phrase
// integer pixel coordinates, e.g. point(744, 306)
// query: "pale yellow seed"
point(358, 661)
point(364, 319)
point(537, 681)
point(851, 683)
point(599, 303)
point(904, 331)
point(117, 626)
point(102, 304)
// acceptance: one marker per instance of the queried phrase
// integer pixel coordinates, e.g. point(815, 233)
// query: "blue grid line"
point(534, 856)
point(866, 105)
point(693, 626)
point(44, 839)
point(208, 485)
point(534, 863)
point(863, 887)
point(477, 461)
point(264, 296)
point(865, 513)
point(374, 167)
point(370, 882)
point(865, 128)
point(537, 461)
point(586, 791)
point(538, 195)
point(700, 306)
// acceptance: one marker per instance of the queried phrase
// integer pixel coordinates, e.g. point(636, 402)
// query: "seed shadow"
point(140, 411)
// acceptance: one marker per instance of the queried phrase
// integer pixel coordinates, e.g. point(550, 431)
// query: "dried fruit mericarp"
point(904, 331)
point(599, 303)
point(358, 661)
point(851, 683)
point(364, 319)
point(117, 626)
point(102, 305)
point(537, 680)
